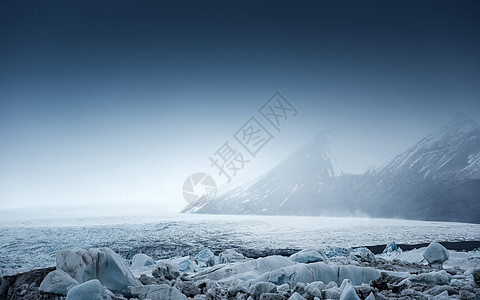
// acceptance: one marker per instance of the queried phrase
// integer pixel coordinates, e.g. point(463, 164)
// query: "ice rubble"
point(230, 256)
point(343, 274)
point(97, 263)
point(308, 256)
point(319, 272)
point(57, 282)
point(436, 254)
point(141, 260)
point(90, 290)
point(157, 292)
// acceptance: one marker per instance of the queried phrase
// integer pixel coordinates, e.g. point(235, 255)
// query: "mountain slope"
point(307, 177)
point(436, 179)
point(449, 153)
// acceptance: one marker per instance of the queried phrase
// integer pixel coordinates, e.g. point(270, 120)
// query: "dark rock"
point(382, 283)
point(146, 280)
point(476, 276)
point(24, 285)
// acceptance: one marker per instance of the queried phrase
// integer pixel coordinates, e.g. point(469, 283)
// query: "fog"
point(112, 106)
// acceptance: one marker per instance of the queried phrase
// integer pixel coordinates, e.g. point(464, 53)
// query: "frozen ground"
point(33, 243)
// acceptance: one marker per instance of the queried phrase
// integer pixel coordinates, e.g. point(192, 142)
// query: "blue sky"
point(119, 101)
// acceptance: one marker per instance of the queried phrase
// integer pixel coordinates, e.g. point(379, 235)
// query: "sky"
point(116, 103)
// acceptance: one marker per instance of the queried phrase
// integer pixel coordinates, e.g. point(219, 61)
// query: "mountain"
point(307, 176)
point(436, 179)
point(450, 153)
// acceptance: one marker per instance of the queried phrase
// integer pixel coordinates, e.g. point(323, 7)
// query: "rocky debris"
point(386, 281)
point(476, 276)
point(190, 288)
point(24, 285)
point(436, 254)
point(57, 282)
point(166, 269)
point(400, 265)
point(146, 280)
point(309, 256)
point(362, 255)
point(90, 290)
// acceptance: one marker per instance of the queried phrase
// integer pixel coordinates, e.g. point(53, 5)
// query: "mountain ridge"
point(443, 167)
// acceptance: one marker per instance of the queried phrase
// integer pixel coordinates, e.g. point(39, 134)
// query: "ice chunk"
point(141, 260)
point(296, 296)
point(371, 296)
point(349, 293)
point(357, 275)
point(97, 263)
point(78, 263)
point(362, 254)
point(436, 254)
point(314, 289)
point(323, 272)
point(90, 290)
point(205, 257)
point(319, 271)
point(442, 296)
point(57, 282)
point(112, 270)
point(262, 287)
point(245, 270)
point(230, 256)
point(157, 292)
point(185, 264)
point(308, 256)
point(432, 278)
point(337, 251)
point(392, 249)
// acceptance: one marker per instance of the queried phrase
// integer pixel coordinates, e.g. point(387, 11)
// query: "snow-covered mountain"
point(436, 179)
point(307, 177)
point(452, 152)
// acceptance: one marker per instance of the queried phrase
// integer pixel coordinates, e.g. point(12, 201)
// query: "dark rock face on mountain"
point(436, 179)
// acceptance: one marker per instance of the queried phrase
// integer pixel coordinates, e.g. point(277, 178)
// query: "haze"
point(117, 103)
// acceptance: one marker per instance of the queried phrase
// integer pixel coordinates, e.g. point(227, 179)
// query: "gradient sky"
point(117, 102)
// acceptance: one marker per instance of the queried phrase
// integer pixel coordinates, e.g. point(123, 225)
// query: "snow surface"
point(33, 243)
